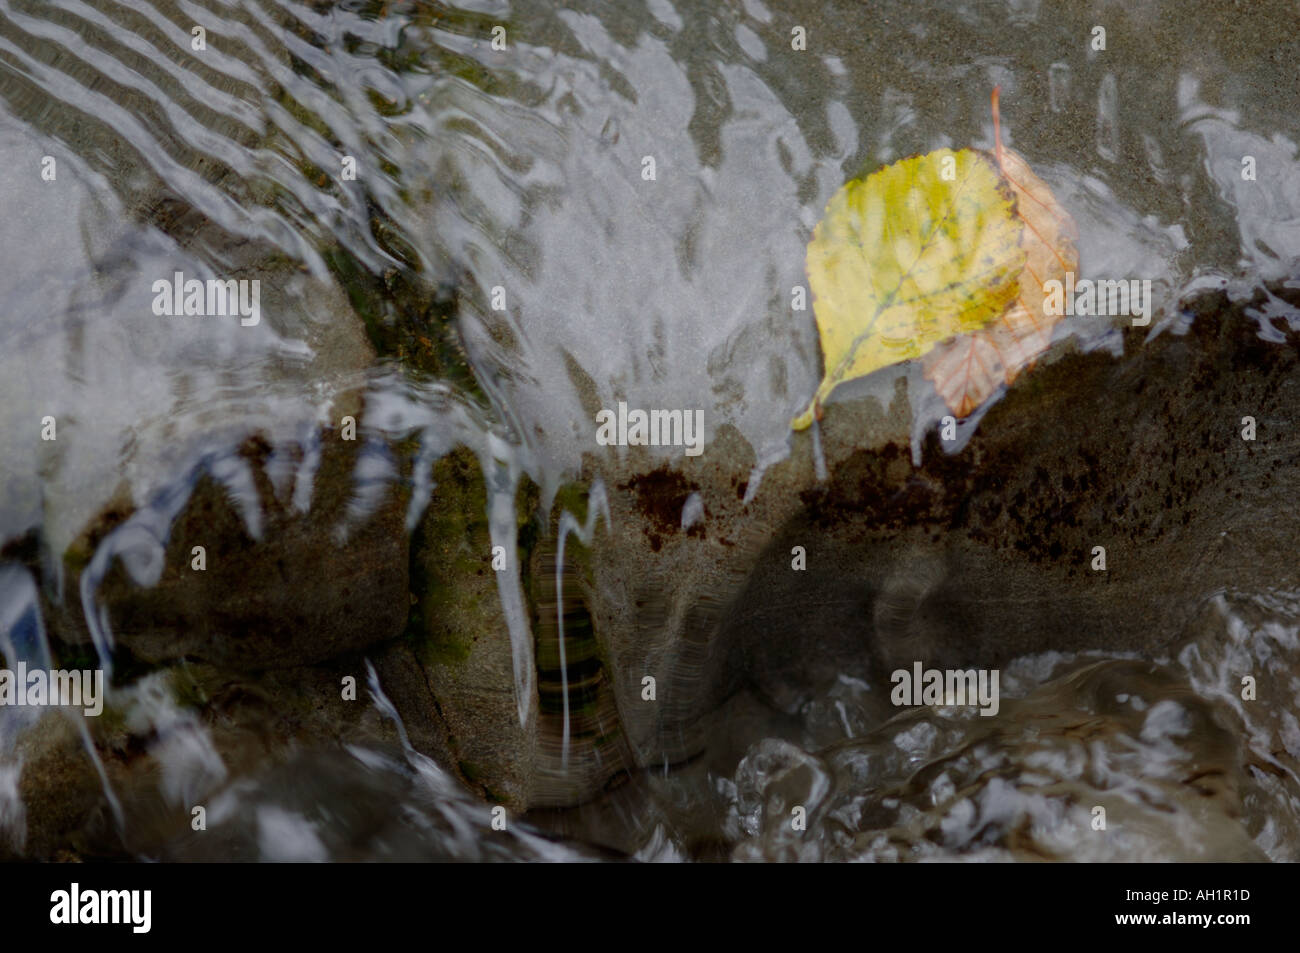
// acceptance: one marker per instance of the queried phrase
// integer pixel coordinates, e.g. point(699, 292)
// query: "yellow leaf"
point(910, 256)
point(969, 368)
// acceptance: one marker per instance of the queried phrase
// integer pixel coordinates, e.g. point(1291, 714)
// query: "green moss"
point(77, 657)
point(186, 689)
point(404, 318)
point(456, 598)
point(435, 644)
point(111, 720)
point(451, 557)
point(571, 497)
point(77, 557)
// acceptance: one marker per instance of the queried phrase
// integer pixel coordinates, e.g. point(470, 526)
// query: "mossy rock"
point(451, 675)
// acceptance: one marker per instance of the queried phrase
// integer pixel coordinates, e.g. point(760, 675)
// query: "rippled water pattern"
point(522, 169)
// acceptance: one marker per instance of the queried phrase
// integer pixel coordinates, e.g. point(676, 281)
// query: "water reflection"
point(506, 262)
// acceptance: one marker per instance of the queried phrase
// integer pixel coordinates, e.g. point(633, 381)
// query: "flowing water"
point(518, 176)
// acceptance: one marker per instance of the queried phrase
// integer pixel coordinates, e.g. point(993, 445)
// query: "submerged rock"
point(275, 584)
point(700, 611)
point(972, 558)
point(451, 674)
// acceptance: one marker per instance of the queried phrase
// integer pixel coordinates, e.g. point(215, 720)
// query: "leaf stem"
point(997, 129)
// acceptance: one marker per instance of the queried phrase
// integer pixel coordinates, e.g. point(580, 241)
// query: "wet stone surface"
point(428, 590)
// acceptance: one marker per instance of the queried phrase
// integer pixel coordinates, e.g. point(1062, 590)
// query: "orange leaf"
point(968, 368)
